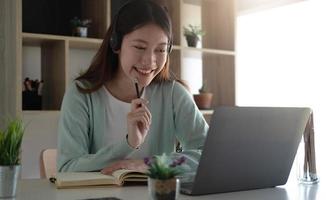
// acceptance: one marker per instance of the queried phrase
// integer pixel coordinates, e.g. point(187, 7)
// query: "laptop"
point(248, 148)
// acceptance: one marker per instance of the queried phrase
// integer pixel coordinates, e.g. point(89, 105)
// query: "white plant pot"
point(82, 31)
point(8, 180)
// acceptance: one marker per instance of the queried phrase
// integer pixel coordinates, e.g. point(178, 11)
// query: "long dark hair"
point(131, 16)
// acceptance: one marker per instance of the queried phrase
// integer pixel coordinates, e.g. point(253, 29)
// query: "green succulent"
point(193, 30)
point(10, 143)
point(76, 22)
point(163, 167)
point(203, 88)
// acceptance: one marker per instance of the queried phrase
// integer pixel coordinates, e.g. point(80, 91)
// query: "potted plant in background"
point(192, 33)
point(203, 100)
point(10, 148)
point(80, 27)
point(162, 180)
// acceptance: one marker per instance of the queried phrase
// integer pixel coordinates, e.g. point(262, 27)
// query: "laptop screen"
point(249, 148)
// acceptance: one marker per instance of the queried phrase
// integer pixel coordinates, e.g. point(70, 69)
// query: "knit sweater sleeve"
point(75, 132)
point(191, 127)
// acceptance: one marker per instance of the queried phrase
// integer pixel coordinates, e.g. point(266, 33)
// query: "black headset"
point(115, 40)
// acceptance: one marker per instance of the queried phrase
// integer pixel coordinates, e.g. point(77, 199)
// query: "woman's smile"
point(144, 71)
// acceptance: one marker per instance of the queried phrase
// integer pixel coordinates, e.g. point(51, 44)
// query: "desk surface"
point(37, 189)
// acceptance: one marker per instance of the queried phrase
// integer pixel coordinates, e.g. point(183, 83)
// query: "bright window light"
point(281, 59)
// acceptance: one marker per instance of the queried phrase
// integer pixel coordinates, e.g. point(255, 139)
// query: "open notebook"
point(80, 179)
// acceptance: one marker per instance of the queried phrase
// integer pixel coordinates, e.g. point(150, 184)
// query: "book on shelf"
point(83, 179)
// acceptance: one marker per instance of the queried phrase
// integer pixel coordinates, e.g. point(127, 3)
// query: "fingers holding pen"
point(142, 115)
point(146, 114)
point(138, 122)
point(139, 102)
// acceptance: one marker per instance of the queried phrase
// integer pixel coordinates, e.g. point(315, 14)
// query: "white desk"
point(36, 189)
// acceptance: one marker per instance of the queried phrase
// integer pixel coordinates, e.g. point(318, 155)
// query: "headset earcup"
point(114, 42)
point(170, 48)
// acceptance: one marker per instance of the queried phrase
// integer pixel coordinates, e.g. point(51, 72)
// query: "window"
point(281, 61)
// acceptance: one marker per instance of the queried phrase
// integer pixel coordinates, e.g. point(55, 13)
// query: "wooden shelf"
point(35, 39)
point(84, 43)
point(205, 50)
point(31, 39)
point(36, 112)
point(53, 17)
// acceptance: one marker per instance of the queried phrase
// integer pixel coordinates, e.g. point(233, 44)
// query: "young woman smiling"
point(105, 123)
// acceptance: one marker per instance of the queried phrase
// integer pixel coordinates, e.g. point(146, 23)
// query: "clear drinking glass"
point(306, 163)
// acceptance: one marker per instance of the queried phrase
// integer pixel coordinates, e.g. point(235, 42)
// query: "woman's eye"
point(139, 47)
point(161, 50)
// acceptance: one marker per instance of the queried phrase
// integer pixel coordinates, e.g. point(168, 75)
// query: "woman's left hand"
point(138, 165)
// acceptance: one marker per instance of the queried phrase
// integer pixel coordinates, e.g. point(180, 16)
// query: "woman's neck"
point(122, 89)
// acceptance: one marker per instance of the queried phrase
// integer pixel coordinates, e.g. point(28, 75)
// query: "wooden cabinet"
point(55, 45)
point(217, 55)
point(218, 19)
point(55, 54)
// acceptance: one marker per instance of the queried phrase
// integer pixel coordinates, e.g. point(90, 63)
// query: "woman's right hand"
point(138, 122)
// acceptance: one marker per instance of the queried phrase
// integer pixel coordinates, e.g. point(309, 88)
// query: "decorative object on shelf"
point(32, 94)
point(192, 33)
point(10, 148)
point(80, 27)
point(162, 172)
point(203, 100)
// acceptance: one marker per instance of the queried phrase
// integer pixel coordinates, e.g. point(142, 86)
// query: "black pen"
point(137, 89)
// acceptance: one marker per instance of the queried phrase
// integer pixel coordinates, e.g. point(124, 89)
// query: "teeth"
point(144, 71)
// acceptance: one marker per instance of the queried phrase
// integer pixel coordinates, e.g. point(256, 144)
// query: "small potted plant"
point(203, 100)
point(162, 172)
point(79, 27)
point(10, 148)
point(192, 33)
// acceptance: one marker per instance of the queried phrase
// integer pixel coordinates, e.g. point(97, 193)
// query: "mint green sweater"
point(83, 120)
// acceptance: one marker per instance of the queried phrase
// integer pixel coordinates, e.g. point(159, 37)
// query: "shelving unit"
point(55, 63)
point(218, 20)
point(217, 54)
point(55, 43)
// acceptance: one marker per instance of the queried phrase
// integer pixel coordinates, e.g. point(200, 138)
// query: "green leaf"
point(163, 167)
point(10, 143)
point(193, 30)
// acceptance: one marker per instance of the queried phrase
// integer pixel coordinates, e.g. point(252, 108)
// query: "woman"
point(126, 106)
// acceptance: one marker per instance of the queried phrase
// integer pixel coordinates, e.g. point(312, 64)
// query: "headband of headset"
point(115, 40)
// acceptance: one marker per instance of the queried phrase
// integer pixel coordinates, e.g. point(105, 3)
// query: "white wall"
point(79, 59)
point(31, 62)
point(40, 133)
point(249, 6)
point(79, 62)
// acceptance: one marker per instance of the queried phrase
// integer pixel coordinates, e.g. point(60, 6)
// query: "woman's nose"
point(149, 58)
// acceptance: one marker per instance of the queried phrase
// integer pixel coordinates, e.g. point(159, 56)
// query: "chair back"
point(48, 163)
